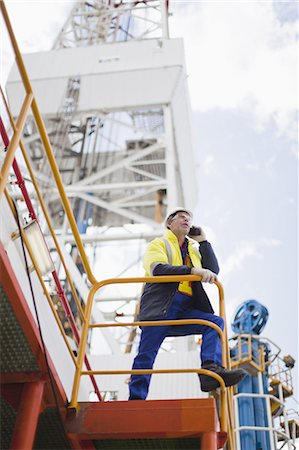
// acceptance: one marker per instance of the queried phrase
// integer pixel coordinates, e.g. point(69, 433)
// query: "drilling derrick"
point(112, 92)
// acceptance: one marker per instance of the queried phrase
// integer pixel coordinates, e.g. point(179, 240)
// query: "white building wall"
point(163, 386)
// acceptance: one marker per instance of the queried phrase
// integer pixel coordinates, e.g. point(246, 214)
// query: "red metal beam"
point(19, 377)
point(27, 416)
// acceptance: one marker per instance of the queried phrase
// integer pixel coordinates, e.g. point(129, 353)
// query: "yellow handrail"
point(158, 279)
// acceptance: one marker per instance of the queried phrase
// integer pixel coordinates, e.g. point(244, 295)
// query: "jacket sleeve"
point(167, 269)
point(208, 257)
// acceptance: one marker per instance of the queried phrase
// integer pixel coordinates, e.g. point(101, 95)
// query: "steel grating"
point(7, 423)
point(147, 444)
point(16, 354)
point(50, 432)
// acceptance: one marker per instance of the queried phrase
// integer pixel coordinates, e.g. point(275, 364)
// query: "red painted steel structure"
point(27, 392)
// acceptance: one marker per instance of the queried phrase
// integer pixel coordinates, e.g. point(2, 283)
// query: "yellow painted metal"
point(157, 323)
point(10, 154)
point(230, 418)
point(226, 411)
point(248, 358)
point(280, 374)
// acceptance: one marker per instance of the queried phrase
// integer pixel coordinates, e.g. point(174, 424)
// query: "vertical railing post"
point(82, 346)
point(270, 426)
point(237, 423)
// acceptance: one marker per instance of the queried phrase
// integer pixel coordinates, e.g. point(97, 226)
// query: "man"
point(178, 254)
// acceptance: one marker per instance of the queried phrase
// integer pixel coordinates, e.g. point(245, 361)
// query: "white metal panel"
point(121, 76)
point(116, 57)
point(180, 385)
point(128, 89)
point(180, 107)
point(48, 93)
point(118, 75)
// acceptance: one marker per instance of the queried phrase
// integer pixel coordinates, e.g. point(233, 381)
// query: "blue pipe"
point(259, 405)
point(246, 414)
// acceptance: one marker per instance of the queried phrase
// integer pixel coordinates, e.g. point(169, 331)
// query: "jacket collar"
point(170, 236)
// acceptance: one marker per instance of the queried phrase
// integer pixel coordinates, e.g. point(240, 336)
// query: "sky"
point(242, 72)
point(242, 65)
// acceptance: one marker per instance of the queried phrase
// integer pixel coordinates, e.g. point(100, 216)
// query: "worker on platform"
point(178, 254)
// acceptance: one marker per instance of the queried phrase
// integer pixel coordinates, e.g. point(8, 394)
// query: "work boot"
point(230, 377)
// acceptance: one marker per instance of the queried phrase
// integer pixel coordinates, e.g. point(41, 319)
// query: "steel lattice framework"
point(101, 21)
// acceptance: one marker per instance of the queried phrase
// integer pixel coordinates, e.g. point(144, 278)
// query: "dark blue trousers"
point(152, 338)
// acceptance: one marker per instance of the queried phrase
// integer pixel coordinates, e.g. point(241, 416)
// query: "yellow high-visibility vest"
point(166, 250)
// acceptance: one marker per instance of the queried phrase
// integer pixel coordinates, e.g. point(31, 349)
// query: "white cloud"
point(239, 55)
point(234, 262)
point(270, 242)
point(35, 24)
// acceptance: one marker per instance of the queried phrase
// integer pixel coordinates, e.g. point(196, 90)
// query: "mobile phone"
point(194, 231)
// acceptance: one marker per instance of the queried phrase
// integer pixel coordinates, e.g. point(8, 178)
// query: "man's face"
point(180, 224)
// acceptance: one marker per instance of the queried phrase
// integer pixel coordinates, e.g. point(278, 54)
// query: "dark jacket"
point(157, 297)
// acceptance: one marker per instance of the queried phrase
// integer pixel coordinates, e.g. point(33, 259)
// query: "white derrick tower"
point(113, 95)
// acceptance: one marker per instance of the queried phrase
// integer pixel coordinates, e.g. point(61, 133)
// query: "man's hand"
point(200, 237)
point(207, 275)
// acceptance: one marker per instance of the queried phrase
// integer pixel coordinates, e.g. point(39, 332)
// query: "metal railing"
point(249, 350)
point(158, 279)
point(279, 373)
point(273, 432)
